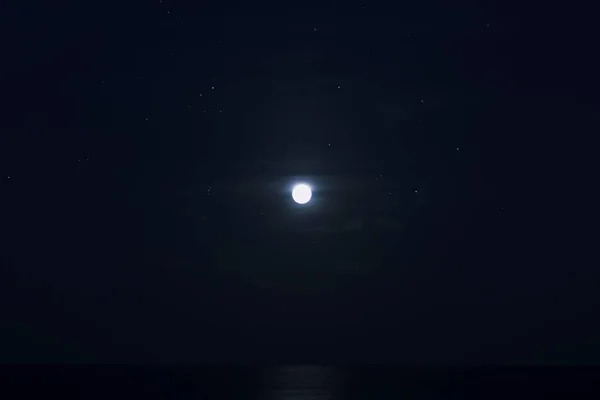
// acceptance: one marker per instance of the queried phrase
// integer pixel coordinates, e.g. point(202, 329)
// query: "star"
point(212, 87)
point(457, 149)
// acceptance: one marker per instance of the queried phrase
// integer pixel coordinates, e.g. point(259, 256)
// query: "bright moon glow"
point(301, 194)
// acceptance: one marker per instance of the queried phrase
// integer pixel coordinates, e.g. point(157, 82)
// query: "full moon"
point(301, 194)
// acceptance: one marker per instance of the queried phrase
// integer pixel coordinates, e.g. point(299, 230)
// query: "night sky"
point(148, 151)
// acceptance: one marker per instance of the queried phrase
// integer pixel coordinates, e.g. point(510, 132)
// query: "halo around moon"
point(301, 193)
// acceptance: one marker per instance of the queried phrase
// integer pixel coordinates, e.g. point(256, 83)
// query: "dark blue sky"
point(148, 151)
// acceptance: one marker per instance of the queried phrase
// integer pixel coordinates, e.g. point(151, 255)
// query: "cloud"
point(358, 224)
point(354, 224)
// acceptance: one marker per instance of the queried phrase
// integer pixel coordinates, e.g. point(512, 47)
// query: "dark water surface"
point(301, 382)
